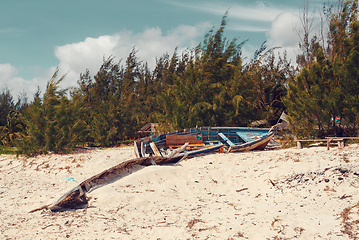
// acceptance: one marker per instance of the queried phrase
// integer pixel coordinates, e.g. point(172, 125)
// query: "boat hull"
point(231, 139)
point(259, 144)
point(76, 197)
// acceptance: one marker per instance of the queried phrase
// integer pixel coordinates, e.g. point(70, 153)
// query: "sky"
point(36, 36)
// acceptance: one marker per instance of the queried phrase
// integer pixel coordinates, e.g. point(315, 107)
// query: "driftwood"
point(76, 197)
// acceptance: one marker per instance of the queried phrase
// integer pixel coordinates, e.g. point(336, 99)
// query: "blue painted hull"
point(234, 139)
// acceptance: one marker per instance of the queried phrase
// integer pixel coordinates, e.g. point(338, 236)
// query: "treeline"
point(210, 85)
point(323, 99)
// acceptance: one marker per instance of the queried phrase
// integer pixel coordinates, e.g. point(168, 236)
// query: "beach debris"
point(71, 179)
point(335, 175)
point(240, 190)
point(273, 184)
point(40, 208)
point(192, 222)
point(345, 196)
point(350, 226)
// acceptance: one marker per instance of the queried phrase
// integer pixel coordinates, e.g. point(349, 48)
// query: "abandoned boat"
point(195, 141)
point(166, 148)
point(77, 198)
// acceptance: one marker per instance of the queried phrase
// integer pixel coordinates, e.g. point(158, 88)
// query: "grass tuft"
point(8, 150)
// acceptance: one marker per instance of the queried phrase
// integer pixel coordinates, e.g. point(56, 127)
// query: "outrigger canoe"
point(204, 140)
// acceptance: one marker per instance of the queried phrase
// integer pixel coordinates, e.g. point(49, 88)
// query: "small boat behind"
point(247, 139)
point(203, 140)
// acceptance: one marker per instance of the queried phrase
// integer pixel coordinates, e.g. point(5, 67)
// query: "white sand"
point(278, 194)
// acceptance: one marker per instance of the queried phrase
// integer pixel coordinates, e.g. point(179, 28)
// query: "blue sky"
point(38, 35)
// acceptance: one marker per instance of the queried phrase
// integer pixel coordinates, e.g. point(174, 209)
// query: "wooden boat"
point(204, 140)
point(76, 197)
point(168, 148)
point(258, 142)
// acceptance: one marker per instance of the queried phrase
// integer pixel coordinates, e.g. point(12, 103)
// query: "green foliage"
point(7, 150)
point(101, 103)
point(12, 131)
point(327, 89)
point(210, 85)
point(257, 88)
point(6, 105)
point(51, 124)
point(311, 99)
point(206, 86)
point(217, 89)
point(118, 102)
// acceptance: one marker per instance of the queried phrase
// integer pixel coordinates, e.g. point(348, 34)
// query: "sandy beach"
point(308, 193)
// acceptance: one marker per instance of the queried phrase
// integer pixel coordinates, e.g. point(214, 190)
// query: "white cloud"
point(87, 54)
point(152, 43)
point(7, 71)
point(283, 31)
point(283, 34)
point(9, 79)
point(260, 11)
point(75, 58)
point(247, 28)
point(11, 31)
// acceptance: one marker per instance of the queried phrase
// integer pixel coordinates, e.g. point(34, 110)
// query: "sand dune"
point(310, 193)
